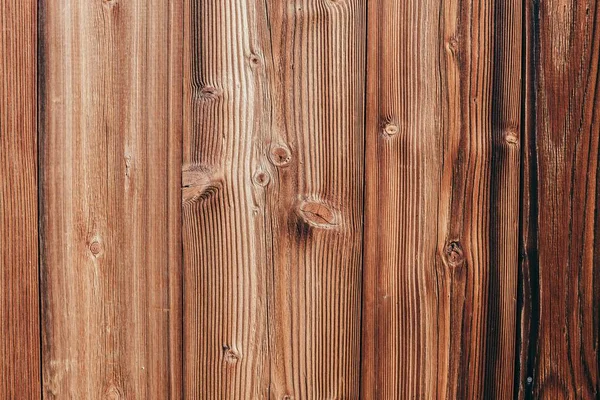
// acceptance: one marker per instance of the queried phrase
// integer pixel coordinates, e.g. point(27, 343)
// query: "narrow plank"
point(225, 315)
point(315, 145)
point(272, 194)
point(110, 119)
point(504, 200)
point(19, 300)
point(441, 206)
point(560, 294)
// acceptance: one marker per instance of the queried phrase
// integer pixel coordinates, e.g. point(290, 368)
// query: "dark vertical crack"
point(528, 282)
point(364, 195)
point(40, 93)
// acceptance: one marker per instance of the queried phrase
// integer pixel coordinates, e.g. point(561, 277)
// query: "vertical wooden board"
point(560, 295)
point(504, 200)
point(313, 150)
point(19, 301)
point(225, 348)
point(442, 167)
point(272, 198)
point(110, 116)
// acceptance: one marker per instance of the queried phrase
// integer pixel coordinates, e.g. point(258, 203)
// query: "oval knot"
point(317, 214)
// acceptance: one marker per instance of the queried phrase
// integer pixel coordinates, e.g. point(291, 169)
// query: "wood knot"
point(280, 155)
point(109, 3)
point(113, 392)
point(452, 45)
point(254, 59)
point(317, 214)
point(95, 248)
point(127, 166)
point(261, 178)
point(511, 136)
point(391, 129)
point(209, 93)
point(198, 183)
point(230, 356)
point(453, 254)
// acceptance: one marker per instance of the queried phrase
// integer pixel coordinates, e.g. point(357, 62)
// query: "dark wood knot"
point(453, 254)
point(280, 155)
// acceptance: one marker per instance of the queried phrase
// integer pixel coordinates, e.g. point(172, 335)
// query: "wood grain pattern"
point(19, 322)
point(441, 201)
point(307, 199)
point(560, 296)
point(272, 194)
point(110, 113)
point(504, 200)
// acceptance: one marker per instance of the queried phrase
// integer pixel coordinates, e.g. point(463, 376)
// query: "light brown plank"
point(441, 200)
point(110, 119)
point(19, 301)
point(560, 297)
point(273, 167)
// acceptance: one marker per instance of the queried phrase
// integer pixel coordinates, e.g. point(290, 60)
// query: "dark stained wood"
point(19, 301)
point(110, 116)
point(560, 243)
point(441, 206)
point(504, 200)
point(272, 194)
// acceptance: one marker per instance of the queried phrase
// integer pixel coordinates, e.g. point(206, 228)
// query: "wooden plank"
point(19, 300)
point(111, 119)
point(504, 200)
point(560, 294)
point(441, 203)
point(273, 167)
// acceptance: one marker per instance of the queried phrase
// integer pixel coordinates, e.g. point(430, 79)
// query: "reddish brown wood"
point(202, 167)
point(19, 301)
point(110, 141)
point(273, 182)
point(560, 281)
point(441, 207)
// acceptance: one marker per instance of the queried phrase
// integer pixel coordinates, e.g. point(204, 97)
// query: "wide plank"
point(19, 298)
point(110, 141)
point(559, 297)
point(441, 205)
point(272, 198)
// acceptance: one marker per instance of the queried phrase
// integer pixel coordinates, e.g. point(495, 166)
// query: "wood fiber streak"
point(441, 206)
point(272, 198)
point(110, 118)
point(560, 243)
point(19, 308)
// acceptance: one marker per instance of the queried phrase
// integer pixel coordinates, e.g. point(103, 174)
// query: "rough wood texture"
point(19, 322)
point(110, 113)
point(441, 201)
point(560, 293)
point(233, 141)
point(504, 200)
point(272, 194)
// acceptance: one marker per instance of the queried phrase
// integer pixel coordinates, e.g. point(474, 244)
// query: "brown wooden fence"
point(299, 199)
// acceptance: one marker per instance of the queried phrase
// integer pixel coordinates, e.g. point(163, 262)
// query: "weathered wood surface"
point(110, 116)
point(316, 199)
point(441, 206)
point(19, 322)
point(272, 197)
point(560, 243)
